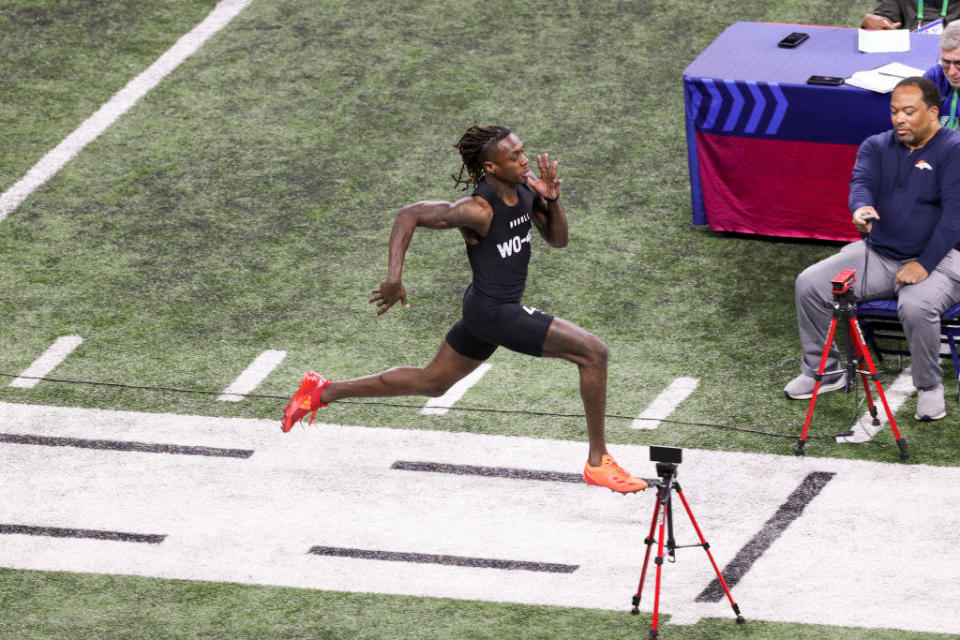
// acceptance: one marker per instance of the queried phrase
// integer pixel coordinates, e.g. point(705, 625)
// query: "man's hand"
point(873, 21)
point(911, 273)
point(863, 219)
point(548, 184)
point(387, 295)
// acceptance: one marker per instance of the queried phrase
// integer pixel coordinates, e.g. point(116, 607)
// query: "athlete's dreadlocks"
point(474, 147)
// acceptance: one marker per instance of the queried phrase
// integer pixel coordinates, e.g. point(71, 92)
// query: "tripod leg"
point(802, 440)
point(654, 626)
point(871, 407)
point(706, 547)
point(859, 350)
point(858, 336)
point(671, 541)
point(648, 541)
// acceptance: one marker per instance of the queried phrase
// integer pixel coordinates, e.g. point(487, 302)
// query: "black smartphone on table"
point(829, 81)
point(793, 39)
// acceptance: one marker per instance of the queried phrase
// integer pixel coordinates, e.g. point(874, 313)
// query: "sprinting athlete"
point(496, 223)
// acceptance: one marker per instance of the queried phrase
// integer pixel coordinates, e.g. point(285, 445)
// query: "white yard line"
point(665, 403)
point(255, 519)
point(253, 375)
point(897, 393)
point(107, 114)
point(440, 405)
point(47, 362)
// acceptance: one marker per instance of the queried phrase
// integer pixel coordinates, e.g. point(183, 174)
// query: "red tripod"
point(845, 309)
point(662, 508)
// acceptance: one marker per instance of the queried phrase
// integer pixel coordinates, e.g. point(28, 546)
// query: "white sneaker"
point(801, 387)
point(930, 405)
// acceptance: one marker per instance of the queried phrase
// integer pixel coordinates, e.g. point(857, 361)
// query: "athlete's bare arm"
point(548, 215)
point(471, 213)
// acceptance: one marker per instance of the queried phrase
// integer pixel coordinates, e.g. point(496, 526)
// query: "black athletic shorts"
point(487, 324)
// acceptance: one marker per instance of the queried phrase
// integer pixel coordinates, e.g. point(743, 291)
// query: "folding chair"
point(879, 321)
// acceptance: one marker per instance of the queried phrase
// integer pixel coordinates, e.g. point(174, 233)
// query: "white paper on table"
point(883, 40)
point(935, 28)
point(873, 81)
point(883, 79)
point(899, 70)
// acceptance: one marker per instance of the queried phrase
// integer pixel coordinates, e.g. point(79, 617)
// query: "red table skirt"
point(792, 189)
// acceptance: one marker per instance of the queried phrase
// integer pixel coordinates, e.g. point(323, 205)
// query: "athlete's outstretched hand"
point(387, 295)
point(548, 184)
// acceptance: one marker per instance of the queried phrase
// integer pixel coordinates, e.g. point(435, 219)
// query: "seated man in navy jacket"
point(905, 199)
point(946, 75)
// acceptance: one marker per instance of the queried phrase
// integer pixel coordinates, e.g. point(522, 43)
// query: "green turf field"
point(244, 204)
point(43, 606)
point(62, 60)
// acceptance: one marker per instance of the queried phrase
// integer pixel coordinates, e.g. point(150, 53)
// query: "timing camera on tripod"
point(667, 459)
point(845, 310)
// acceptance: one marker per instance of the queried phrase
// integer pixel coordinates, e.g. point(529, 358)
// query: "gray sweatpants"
point(920, 306)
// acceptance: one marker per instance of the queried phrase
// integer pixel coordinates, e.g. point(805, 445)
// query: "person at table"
point(905, 201)
point(902, 14)
point(946, 75)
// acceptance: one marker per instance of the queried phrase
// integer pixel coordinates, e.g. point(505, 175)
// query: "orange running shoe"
point(305, 400)
point(610, 475)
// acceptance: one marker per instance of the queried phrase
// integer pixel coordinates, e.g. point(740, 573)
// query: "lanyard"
point(943, 10)
point(952, 122)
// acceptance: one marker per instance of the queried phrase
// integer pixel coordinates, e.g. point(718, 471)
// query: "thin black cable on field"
point(402, 405)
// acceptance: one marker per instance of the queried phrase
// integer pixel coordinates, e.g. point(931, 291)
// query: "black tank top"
point(499, 260)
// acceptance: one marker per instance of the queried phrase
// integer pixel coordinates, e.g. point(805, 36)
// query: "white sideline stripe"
point(47, 362)
point(897, 393)
point(107, 114)
point(665, 403)
point(440, 405)
point(253, 375)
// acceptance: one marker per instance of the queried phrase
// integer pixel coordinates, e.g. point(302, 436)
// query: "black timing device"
point(666, 454)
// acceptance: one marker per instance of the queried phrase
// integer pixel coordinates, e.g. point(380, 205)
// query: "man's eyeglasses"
point(946, 64)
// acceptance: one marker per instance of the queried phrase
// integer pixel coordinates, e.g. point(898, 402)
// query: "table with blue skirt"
point(770, 154)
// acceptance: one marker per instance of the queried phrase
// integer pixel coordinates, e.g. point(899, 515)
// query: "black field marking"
point(456, 561)
point(119, 445)
point(58, 532)
point(490, 472)
point(787, 513)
